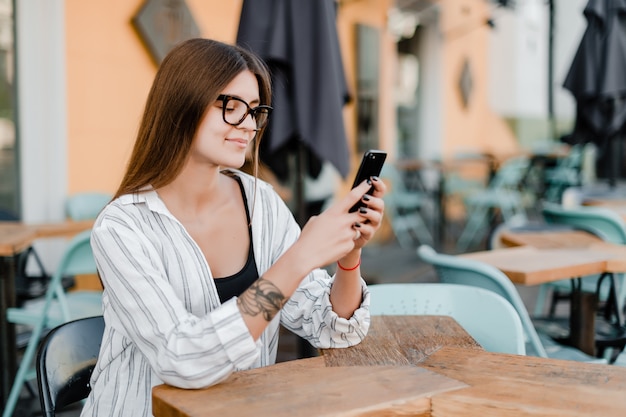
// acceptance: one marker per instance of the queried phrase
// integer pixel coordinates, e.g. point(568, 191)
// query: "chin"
point(234, 164)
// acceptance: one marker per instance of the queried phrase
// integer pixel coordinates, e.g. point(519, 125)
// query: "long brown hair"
point(189, 80)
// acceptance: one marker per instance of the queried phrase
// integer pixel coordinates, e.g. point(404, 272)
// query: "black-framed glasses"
point(235, 111)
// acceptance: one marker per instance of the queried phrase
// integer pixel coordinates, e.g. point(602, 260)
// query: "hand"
point(371, 214)
point(336, 232)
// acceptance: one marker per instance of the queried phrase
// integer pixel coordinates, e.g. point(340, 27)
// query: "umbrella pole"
point(615, 160)
point(301, 214)
point(305, 349)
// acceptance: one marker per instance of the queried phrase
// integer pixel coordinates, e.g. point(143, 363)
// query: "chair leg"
point(540, 302)
point(23, 371)
point(553, 302)
point(475, 221)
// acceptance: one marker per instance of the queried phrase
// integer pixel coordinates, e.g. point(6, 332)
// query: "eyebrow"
point(253, 103)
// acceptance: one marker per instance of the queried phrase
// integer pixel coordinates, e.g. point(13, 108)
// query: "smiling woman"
point(202, 263)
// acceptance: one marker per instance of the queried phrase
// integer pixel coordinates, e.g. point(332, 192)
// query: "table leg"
point(583, 307)
point(8, 355)
point(441, 201)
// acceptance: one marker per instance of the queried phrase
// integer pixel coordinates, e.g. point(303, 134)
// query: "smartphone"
point(371, 165)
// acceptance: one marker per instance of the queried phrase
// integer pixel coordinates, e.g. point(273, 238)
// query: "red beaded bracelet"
point(349, 269)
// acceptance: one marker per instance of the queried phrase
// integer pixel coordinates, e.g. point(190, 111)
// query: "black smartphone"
point(371, 165)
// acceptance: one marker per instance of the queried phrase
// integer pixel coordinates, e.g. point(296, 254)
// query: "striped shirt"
point(164, 320)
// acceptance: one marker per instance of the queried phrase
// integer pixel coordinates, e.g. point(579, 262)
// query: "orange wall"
point(109, 73)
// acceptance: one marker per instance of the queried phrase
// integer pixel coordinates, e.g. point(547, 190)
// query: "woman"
point(201, 262)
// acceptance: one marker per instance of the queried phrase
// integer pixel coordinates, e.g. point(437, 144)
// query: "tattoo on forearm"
point(262, 297)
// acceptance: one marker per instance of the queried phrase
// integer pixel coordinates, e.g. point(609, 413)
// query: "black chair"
point(65, 361)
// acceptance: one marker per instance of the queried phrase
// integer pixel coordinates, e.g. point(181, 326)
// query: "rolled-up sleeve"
point(309, 314)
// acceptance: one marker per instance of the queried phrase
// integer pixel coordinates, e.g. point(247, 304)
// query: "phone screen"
point(371, 165)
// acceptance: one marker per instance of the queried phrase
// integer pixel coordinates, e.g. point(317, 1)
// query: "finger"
point(380, 188)
point(355, 195)
point(373, 203)
point(370, 216)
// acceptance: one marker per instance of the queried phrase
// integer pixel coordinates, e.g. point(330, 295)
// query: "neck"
point(195, 190)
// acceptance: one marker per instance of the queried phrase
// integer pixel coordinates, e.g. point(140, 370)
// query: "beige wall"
point(466, 37)
point(373, 13)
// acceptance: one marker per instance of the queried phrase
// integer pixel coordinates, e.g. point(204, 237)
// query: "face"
point(218, 143)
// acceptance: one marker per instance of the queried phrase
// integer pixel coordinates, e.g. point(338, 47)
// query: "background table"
point(553, 255)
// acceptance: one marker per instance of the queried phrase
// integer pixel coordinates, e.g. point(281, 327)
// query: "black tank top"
point(234, 285)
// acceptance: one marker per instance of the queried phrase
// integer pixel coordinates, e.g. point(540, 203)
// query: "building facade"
point(429, 77)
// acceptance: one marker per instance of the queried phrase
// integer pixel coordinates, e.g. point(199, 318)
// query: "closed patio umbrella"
point(298, 40)
point(597, 80)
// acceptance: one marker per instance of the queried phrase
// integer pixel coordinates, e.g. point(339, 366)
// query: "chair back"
point(65, 361)
point(86, 205)
point(404, 209)
point(456, 270)
point(510, 174)
point(486, 316)
point(399, 194)
point(76, 260)
point(600, 221)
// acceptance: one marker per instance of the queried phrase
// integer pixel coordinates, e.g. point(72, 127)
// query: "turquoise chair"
point(599, 221)
point(567, 173)
point(502, 195)
point(56, 308)
point(86, 205)
point(403, 209)
point(456, 270)
point(488, 318)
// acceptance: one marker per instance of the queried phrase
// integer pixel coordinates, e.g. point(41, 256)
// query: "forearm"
point(260, 303)
point(346, 293)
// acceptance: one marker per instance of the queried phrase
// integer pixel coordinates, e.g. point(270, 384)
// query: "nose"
point(248, 122)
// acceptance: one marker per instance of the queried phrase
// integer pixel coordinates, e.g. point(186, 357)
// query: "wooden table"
point(538, 257)
point(324, 385)
point(419, 366)
point(571, 239)
point(15, 237)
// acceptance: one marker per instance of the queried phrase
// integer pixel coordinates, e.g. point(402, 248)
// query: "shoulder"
point(129, 209)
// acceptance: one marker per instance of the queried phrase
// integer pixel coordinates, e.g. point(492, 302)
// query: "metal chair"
point(456, 270)
point(566, 173)
point(487, 317)
point(55, 308)
point(65, 361)
point(501, 195)
point(403, 207)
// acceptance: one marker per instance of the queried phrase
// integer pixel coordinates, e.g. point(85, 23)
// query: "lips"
point(238, 141)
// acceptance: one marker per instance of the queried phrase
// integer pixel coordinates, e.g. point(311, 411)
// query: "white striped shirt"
point(164, 320)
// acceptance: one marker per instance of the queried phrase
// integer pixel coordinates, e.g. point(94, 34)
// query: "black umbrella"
point(597, 79)
point(298, 40)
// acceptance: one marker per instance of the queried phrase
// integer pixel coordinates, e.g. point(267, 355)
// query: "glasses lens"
point(235, 111)
point(261, 115)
